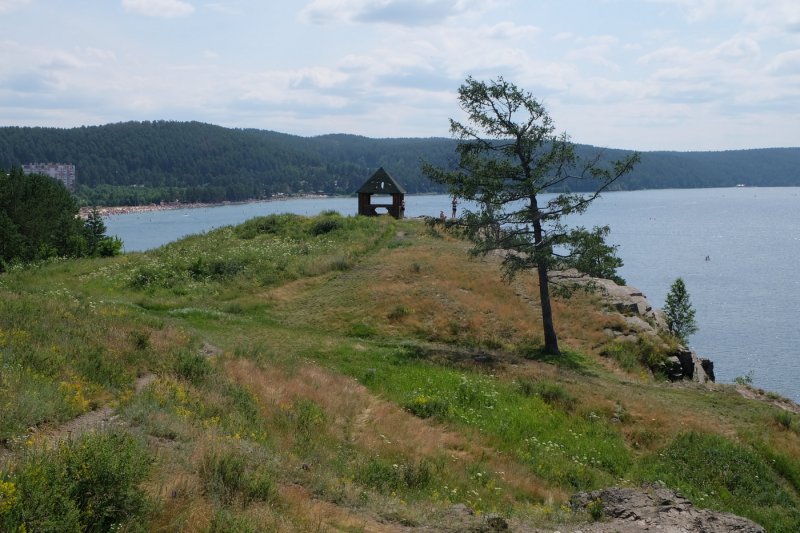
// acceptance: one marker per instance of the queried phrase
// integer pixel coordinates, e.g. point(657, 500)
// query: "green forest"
point(134, 163)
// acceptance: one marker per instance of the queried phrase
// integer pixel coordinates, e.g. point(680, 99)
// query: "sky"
point(643, 75)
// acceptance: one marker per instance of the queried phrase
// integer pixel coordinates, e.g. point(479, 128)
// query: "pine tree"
point(509, 156)
point(679, 312)
point(94, 230)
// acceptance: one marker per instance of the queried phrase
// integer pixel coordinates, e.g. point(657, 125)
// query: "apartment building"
point(62, 172)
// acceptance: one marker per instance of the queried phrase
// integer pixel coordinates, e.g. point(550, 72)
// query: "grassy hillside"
point(344, 374)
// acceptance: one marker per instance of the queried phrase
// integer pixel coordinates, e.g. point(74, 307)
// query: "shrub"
point(222, 475)
point(631, 356)
point(308, 418)
point(227, 476)
point(90, 484)
point(398, 312)
point(324, 225)
point(97, 366)
point(140, 339)
point(270, 225)
point(784, 418)
point(225, 521)
point(385, 475)
point(362, 330)
point(193, 367)
point(427, 407)
point(595, 509)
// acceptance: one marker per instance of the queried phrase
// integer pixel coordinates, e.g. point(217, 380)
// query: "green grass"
point(720, 474)
point(579, 450)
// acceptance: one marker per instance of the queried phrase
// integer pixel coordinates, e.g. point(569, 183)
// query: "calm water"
point(747, 296)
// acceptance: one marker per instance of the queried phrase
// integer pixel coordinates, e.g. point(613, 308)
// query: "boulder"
point(654, 508)
point(692, 367)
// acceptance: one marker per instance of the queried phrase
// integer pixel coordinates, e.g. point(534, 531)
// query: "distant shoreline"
point(107, 211)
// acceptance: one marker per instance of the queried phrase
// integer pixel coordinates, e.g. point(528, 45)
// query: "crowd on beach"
point(163, 206)
point(126, 209)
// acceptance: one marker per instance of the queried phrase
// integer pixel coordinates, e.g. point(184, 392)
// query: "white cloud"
point(787, 63)
point(10, 5)
point(159, 8)
point(392, 67)
point(225, 9)
point(597, 50)
point(399, 12)
point(738, 49)
point(101, 55)
point(509, 30)
point(764, 15)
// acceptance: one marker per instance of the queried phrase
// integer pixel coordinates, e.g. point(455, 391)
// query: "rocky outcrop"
point(631, 302)
point(641, 319)
point(685, 364)
point(654, 508)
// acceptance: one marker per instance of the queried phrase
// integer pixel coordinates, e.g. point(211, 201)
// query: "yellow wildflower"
point(8, 496)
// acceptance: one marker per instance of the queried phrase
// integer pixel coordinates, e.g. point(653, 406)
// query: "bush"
point(269, 225)
point(222, 475)
point(227, 476)
point(427, 407)
point(631, 356)
point(785, 419)
point(90, 484)
point(398, 312)
point(193, 367)
point(387, 476)
point(225, 521)
point(362, 330)
point(324, 225)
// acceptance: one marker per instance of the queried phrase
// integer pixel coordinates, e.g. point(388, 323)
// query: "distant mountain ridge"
point(141, 162)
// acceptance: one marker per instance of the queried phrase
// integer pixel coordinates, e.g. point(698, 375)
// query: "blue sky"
point(646, 75)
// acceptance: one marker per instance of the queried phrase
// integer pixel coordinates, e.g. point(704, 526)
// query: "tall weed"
point(229, 476)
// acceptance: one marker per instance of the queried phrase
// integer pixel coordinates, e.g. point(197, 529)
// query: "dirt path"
point(98, 419)
point(101, 418)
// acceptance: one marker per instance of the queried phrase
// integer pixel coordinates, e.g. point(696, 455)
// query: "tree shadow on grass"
point(568, 359)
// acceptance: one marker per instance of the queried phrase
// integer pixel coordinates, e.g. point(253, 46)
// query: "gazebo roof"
point(381, 183)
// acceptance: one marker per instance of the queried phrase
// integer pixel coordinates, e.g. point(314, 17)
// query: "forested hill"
point(141, 162)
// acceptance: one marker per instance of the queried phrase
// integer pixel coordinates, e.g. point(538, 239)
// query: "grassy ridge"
point(339, 373)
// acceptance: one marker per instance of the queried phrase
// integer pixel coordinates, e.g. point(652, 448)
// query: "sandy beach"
point(163, 206)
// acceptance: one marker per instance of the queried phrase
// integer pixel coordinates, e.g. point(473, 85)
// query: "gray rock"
point(656, 508)
point(693, 367)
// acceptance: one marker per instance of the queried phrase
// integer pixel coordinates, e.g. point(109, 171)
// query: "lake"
point(746, 295)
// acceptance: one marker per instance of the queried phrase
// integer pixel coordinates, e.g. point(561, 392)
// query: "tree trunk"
point(550, 338)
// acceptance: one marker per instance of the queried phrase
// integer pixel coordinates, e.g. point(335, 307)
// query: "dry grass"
point(317, 514)
point(434, 291)
point(380, 427)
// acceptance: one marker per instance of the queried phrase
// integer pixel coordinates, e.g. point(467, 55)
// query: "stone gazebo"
point(381, 183)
